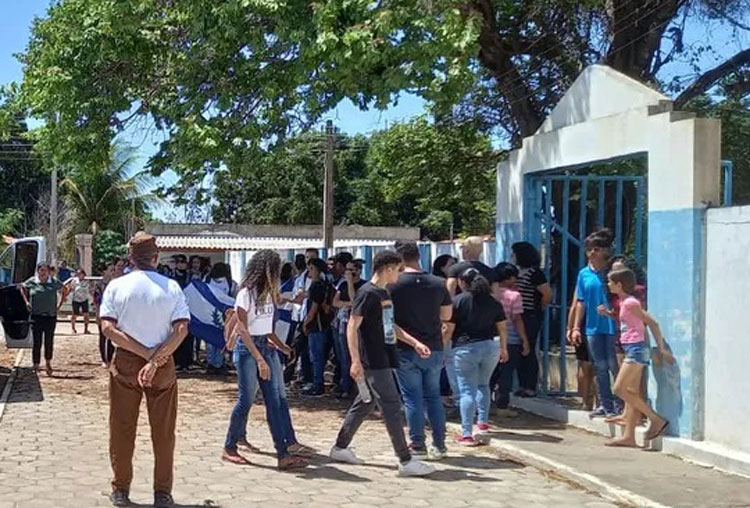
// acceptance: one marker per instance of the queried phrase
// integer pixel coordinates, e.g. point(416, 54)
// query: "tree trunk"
point(636, 28)
point(496, 58)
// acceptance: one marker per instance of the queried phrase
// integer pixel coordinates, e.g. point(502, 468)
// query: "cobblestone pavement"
point(53, 452)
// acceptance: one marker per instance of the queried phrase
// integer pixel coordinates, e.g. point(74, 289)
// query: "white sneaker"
point(345, 455)
point(415, 468)
point(435, 453)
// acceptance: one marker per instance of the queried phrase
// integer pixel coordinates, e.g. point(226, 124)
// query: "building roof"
point(244, 243)
point(314, 232)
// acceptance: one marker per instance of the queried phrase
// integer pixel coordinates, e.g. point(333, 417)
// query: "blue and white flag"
point(207, 304)
point(284, 324)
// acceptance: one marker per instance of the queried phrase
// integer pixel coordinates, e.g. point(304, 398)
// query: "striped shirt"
point(526, 283)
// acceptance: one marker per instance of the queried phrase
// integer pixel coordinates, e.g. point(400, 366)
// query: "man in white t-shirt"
point(146, 316)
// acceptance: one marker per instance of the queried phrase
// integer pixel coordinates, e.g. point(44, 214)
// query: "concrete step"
point(548, 407)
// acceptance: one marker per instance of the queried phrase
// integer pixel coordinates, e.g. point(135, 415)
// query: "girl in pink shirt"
point(633, 323)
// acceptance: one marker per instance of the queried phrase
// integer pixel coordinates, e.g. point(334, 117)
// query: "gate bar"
point(728, 167)
point(554, 225)
point(618, 219)
point(600, 204)
point(547, 264)
point(582, 220)
point(564, 289)
point(640, 191)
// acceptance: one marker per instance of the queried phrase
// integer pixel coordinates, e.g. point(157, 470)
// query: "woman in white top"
point(257, 361)
point(82, 291)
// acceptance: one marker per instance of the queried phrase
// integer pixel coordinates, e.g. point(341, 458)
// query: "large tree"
point(220, 77)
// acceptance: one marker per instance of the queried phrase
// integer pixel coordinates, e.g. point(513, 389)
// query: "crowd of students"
point(390, 340)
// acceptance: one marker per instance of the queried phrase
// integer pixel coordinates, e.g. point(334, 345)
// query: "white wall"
point(727, 327)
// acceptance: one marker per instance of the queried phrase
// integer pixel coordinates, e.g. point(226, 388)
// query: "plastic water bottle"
point(364, 391)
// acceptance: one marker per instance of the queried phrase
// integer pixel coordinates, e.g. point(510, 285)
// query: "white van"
point(17, 264)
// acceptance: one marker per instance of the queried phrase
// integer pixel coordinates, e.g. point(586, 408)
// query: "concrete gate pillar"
point(84, 252)
point(683, 180)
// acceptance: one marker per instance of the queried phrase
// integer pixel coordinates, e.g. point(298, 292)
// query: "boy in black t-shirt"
point(317, 323)
point(372, 344)
point(421, 304)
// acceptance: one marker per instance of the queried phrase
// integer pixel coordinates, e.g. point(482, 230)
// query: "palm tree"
point(112, 197)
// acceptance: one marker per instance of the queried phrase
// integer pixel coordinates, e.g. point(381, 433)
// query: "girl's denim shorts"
point(638, 352)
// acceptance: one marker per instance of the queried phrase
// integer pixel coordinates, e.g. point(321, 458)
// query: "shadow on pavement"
point(26, 388)
point(329, 472)
point(479, 462)
point(527, 421)
point(4, 376)
point(459, 475)
point(516, 436)
point(205, 504)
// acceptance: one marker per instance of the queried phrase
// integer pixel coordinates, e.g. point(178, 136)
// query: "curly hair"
point(262, 276)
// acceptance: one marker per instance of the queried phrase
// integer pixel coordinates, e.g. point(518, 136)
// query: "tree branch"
point(709, 78)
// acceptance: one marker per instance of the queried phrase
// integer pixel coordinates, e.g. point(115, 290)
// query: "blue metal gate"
point(560, 211)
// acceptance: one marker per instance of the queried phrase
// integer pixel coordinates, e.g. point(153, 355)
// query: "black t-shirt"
point(377, 341)
point(344, 289)
point(459, 268)
point(320, 293)
point(476, 318)
point(528, 280)
point(417, 298)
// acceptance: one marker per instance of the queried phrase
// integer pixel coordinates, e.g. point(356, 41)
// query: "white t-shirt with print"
point(80, 289)
point(145, 304)
point(259, 319)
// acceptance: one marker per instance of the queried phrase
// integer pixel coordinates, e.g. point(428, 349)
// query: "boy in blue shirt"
point(599, 329)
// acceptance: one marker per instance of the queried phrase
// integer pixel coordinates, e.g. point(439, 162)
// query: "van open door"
point(17, 264)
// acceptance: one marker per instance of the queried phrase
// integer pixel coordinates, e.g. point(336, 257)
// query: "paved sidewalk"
point(53, 453)
point(661, 478)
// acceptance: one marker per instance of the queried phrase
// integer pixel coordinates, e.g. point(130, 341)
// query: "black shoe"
point(163, 500)
point(120, 498)
point(313, 392)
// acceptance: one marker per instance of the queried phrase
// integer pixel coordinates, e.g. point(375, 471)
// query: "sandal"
point(290, 462)
point(654, 433)
point(234, 458)
point(301, 450)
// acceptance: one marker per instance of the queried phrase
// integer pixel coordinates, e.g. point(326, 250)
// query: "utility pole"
point(328, 189)
point(53, 220)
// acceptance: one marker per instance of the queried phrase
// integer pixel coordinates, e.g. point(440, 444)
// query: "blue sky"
point(17, 15)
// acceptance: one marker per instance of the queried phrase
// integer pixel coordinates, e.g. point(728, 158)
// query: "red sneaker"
point(483, 427)
point(466, 441)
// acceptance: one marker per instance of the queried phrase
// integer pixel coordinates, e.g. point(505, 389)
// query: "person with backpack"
point(317, 322)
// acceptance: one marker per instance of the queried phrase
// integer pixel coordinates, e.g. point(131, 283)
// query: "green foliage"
point(432, 177)
point(414, 174)
point(284, 185)
point(22, 177)
point(108, 245)
point(11, 221)
point(225, 80)
point(219, 77)
point(108, 196)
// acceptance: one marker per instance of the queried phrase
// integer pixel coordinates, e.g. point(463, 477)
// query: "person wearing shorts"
point(81, 290)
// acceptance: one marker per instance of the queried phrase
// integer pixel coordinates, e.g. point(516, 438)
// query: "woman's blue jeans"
point(248, 380)
point(475, 362)
point(604, 356)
